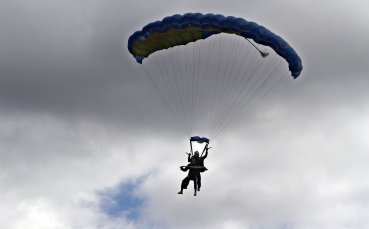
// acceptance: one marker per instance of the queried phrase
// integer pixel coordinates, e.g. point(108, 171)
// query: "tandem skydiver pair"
point(195, 166)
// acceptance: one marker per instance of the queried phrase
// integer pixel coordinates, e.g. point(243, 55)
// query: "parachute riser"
point(191, 147)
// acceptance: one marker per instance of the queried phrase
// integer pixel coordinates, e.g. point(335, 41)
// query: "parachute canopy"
point(212, 71)
point(182, 29)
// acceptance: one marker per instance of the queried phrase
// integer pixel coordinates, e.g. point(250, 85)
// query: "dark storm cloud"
point(71, 58)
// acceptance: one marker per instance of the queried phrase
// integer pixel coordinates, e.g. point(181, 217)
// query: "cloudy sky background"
point(85, 141)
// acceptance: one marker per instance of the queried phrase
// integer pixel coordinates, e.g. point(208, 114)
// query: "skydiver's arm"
point(206, 154)
point(189, 157)
point(206, 151)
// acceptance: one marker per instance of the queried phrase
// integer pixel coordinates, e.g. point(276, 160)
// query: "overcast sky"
point(86, 142)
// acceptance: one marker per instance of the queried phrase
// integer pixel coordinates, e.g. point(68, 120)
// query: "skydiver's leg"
point(184, 184)
point(198, 181)
point(195, 185)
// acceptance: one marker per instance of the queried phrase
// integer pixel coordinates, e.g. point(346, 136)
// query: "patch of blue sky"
point(122, 201)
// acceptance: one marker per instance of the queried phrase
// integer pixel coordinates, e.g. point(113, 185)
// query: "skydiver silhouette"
point(195, 167)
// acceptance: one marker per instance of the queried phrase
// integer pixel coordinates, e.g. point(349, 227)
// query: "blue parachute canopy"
point(182, 29)
point(199, 139)
point(212, 71)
